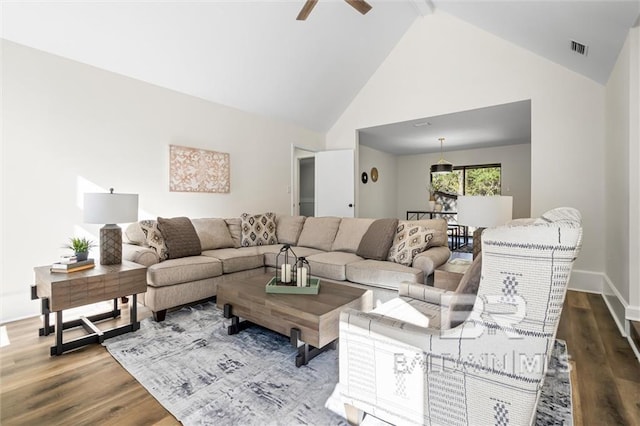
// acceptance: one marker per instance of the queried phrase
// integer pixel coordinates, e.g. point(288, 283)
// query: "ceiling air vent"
point(579, 48)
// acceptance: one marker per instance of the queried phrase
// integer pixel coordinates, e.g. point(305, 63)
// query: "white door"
point(334, 181)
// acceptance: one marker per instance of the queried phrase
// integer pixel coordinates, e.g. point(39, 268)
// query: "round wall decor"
point(364, 177)
point(374, 174)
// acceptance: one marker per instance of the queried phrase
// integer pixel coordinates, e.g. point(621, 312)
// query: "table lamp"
point(483, 212)
point(110, 209)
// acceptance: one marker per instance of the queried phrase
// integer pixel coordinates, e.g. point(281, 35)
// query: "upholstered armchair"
point(407, 363)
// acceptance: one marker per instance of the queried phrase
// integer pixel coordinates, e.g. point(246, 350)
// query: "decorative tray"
point(273, 287)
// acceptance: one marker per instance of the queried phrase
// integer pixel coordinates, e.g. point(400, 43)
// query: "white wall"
point(622, 180)
point(413, 175)
point(377, 199)
point(444, 65)
point(69, 128)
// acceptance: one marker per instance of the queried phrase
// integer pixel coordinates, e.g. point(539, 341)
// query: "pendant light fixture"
point(442, 166)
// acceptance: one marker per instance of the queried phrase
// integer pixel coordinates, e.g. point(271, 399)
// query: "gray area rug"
point(203, 376)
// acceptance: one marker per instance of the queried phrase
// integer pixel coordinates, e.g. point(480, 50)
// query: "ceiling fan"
point(359, 5)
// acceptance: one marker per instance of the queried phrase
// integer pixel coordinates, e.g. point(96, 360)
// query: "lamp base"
point(110, 245)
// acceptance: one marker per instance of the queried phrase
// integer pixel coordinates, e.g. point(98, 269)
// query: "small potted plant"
point(80, 246)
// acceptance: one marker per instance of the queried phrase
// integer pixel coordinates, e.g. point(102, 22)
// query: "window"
point(470, 180)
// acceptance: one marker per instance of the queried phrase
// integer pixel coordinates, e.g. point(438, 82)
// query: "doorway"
point(307, 186)
point(303, 188)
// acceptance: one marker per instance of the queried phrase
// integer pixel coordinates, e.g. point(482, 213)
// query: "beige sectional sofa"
point(332, 246)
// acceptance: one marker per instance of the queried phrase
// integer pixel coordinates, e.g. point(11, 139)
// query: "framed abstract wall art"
point(198, 170)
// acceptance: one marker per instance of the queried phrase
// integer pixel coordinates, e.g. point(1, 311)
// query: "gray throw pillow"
point(377, 241)
point(467, 289)
point(180, 237)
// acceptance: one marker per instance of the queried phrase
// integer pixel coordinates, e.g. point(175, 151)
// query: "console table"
point(458, 234)
point(60, 291)
point(419, 214)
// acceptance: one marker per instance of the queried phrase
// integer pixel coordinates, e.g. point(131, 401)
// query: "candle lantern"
point(303, 272)
point(285, 266)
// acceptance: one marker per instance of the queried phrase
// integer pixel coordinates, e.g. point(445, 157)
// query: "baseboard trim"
point(586, 281)
point(612, 311)
point(632, 313)
point(14, 308)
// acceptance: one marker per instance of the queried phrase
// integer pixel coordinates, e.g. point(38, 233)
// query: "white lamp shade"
point(106, 208)
point(484, 211)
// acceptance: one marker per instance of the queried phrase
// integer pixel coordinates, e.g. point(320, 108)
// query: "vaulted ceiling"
point(255, 56)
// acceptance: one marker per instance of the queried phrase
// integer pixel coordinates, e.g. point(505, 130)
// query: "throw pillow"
point(135, 235)
point(213, 233)
point(258, 230)
point(465, 293)
point(408, 242)
point(180, 237)
point(376, 242)
point(154, 237)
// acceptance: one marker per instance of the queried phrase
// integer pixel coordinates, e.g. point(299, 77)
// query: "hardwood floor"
point(607, 376)
point(82, 387)
point(88, 386)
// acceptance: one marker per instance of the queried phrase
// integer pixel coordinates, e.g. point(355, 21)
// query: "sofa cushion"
point(376, 242)
point(331, 265)
point(258, 229)
point(180, 237)
point(319, 232)
point(350, 233)
point(213, 233)
point(235, 229)
point(234, 260)
point(183, 270)
point(289, 228)
point(382, 273)
point(154, 238)
point(271, 252)
point(408, 242)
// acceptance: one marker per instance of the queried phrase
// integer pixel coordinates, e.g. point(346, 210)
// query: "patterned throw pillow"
point(154, 238)
point(258, 230)
point(410, 240)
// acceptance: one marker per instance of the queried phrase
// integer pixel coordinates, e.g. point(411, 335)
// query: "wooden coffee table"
point(311, 321)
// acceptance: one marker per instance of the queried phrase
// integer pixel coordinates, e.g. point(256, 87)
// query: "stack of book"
point(71, 264)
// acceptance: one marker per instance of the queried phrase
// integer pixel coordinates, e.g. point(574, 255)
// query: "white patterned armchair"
point(398, 363)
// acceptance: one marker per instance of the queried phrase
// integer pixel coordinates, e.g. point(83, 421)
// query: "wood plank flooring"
point(607, 376)
point(88, 386)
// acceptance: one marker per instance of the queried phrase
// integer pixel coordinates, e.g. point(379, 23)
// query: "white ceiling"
point(254, 55)
point(499, 125)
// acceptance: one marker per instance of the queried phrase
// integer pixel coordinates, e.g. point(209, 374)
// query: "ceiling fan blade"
point(360, 5)
point(306, 10)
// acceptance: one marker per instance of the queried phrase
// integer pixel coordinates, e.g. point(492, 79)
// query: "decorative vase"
point(82, 256)
point(432, 205)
